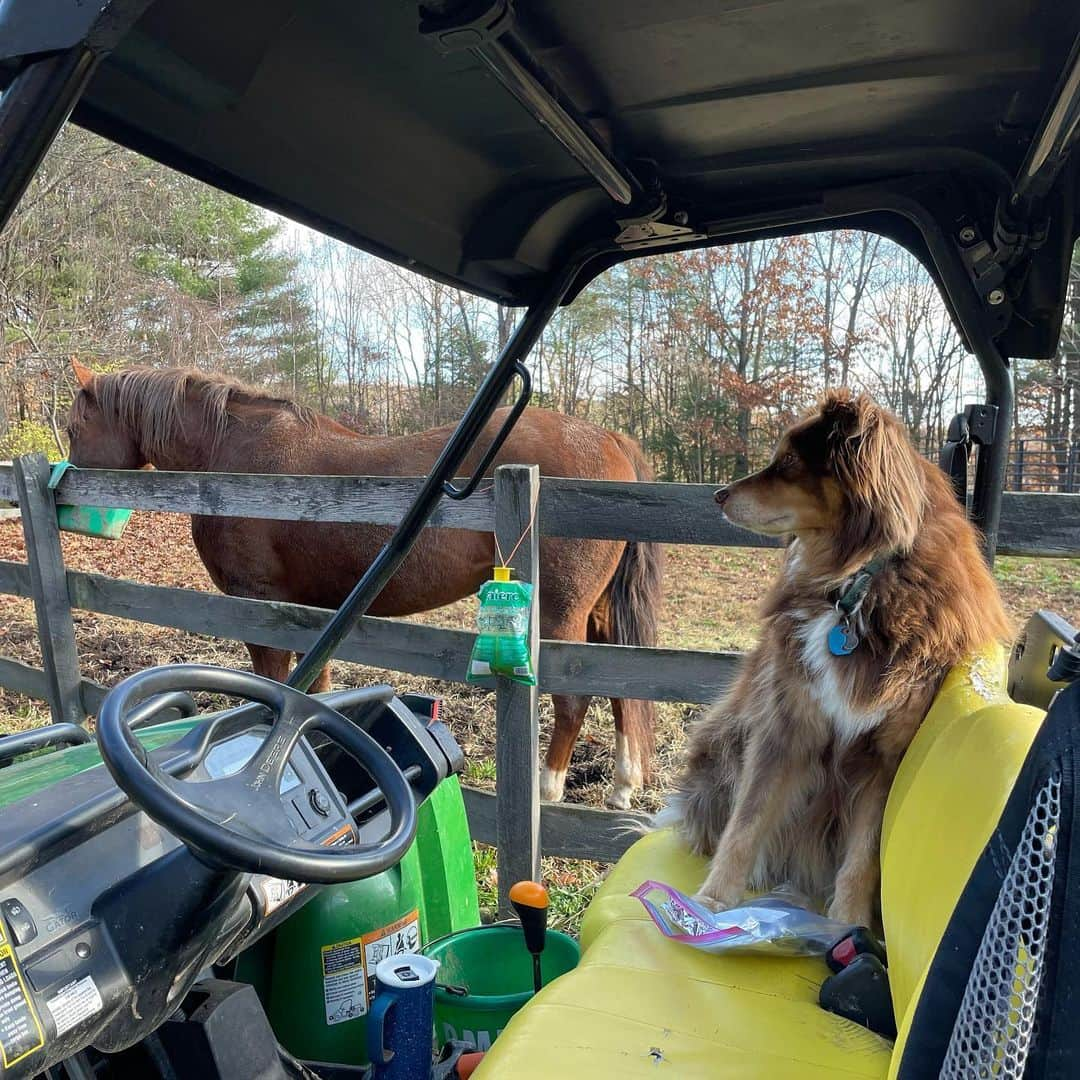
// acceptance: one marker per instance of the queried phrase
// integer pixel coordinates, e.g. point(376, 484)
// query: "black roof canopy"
point(747, 115)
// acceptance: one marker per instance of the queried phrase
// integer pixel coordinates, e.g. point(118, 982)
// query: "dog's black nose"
point(721, 496)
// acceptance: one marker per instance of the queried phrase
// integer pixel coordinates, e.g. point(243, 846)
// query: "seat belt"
point(975, 426)
point(858, 989)
point(953, 458)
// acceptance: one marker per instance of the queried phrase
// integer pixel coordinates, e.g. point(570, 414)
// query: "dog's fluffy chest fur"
point(830, 682)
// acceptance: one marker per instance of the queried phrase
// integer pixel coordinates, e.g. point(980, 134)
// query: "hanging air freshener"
point(502, 641)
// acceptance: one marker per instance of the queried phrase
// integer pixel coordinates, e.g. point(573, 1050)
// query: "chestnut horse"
point(594, 590)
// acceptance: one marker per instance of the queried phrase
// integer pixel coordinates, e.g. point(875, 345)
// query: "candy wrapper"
point(502, 643)
point(775, 923)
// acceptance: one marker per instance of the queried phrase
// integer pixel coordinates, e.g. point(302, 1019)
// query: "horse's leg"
point(569, 716)
point(634, 721)
point(556, 624)
point(273, 663)
point(575, 575)
point(321, 685)
point(629, 754)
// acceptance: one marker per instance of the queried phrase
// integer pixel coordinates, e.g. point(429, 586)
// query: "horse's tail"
point(634, 597)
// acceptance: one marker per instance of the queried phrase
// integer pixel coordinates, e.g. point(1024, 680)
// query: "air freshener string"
point(521, 538)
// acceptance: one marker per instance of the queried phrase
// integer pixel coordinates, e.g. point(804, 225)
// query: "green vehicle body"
point(287, 967)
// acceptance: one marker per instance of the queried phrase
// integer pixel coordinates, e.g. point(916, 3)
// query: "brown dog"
point(883, 589)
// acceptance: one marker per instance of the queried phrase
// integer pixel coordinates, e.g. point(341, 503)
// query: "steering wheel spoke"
point(239, 820)
point(263, 773)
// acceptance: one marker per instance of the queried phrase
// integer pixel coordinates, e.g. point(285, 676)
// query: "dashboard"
point(106, 919)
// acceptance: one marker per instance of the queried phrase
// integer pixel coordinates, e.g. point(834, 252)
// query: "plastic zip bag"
point(502, 641)
point(778, 923)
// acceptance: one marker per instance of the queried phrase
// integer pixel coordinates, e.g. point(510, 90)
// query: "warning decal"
point(74, 1003)
point(278, 891)
point(349, 966)
point(20, 1031)
point(399, 937)
point(343, 981)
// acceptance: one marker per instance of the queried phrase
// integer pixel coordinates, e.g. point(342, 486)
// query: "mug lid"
point(406, 971)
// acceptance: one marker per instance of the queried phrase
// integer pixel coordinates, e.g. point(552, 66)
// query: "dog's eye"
point(788, 460)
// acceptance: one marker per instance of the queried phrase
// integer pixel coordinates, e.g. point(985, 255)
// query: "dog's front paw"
point(851, 913)
point(709, 903)
point(719, 895)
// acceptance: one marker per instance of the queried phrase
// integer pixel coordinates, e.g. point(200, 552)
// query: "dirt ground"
point(710, 602)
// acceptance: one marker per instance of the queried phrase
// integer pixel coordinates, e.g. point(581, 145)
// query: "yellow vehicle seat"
point(639, 1004)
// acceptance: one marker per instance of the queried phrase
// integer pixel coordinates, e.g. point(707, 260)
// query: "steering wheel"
point(231, 818)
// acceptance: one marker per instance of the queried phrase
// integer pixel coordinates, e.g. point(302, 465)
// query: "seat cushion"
point(638, 1001)
point(945, 802)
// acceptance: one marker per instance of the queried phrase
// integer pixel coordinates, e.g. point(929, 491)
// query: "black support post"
point(33, 109)
point(993, 462)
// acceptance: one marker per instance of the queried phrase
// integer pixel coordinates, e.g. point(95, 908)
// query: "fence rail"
point(1041, 465)
point(1032, 524)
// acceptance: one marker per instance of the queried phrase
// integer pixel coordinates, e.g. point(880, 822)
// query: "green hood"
point(33, 774)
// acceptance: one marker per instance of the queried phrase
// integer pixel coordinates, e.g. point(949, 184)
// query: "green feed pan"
point(496, 968)
point(104, 521)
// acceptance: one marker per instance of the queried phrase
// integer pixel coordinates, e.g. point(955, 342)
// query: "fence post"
point(1018, 466)
point(48, 584)
point(517, 723)
point(1074, 469)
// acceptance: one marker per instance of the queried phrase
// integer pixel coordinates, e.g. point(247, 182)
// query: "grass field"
point(710, 602)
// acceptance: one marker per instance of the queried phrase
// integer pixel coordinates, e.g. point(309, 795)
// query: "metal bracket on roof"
point(486, 29)
point(646, 234)
point(652, 225)
point(987, 265)
point(472, 25)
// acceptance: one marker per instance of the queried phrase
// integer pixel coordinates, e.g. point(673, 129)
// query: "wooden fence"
point(1032, 524)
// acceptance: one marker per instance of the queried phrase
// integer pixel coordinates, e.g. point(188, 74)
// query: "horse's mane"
point(150, 402)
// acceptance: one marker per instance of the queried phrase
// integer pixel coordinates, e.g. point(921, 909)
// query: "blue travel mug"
point(399, 1026)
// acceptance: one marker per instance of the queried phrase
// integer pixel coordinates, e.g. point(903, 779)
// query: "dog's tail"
point(670, 815)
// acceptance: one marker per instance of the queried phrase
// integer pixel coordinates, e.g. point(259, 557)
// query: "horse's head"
point(97, 439)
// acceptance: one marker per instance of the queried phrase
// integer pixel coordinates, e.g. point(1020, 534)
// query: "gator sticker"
point(20, 1029)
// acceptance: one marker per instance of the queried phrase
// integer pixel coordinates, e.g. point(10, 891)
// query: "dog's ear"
point(842, 413)
point(880, 474)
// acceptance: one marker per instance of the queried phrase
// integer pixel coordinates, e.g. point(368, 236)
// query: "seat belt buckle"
point(860, 992)
point(858, 943)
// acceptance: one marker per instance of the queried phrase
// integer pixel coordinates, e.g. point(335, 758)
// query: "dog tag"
point(842, 640)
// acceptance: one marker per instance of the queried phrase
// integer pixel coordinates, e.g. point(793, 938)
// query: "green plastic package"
point(502, 641)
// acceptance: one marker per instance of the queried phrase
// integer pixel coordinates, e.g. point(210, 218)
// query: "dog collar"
point(843, 639)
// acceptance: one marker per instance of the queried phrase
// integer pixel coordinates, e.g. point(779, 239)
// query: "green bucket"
point(105, 521)
point(493, 963)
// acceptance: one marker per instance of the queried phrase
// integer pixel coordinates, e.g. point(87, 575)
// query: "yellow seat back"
point(946, 800)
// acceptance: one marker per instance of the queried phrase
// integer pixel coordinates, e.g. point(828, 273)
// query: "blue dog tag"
point(842, 640)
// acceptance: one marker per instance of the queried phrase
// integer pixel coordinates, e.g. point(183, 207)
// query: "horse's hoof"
point(618, 800)
point(552, 785)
